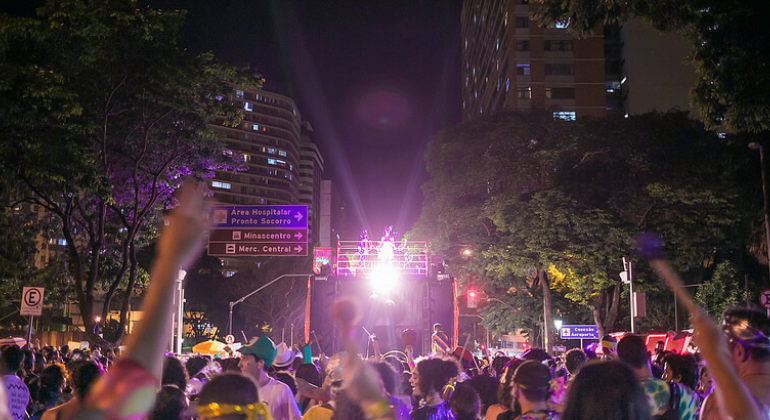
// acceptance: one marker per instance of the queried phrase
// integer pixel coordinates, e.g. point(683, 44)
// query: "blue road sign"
point(259, 216)
point(258, 231)
point(586, 332)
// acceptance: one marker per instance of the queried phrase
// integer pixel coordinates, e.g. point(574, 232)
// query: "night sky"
point(376, 79)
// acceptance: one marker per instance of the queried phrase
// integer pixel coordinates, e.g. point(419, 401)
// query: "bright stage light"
point(384, 278)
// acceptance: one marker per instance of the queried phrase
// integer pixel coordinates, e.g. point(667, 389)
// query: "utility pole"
point(259, 289)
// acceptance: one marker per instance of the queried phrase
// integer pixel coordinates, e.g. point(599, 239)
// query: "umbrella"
point(209, 347)
point(13, 340)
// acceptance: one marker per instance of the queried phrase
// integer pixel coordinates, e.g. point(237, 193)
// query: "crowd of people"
point(728, 378)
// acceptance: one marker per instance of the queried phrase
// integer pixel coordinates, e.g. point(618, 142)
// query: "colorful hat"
point(284, 356)
point(262, 347)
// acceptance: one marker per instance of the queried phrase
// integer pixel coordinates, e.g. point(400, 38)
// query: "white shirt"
point(277, 395)
point(18, 396)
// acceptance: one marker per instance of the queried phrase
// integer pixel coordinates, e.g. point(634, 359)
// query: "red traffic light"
point(472, 293)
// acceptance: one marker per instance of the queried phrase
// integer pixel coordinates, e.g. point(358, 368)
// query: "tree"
point(721, 291)
point(540, 197)
point(102, 116)
point(730, 48)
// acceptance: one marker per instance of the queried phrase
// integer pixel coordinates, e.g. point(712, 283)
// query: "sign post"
point(579, 332)
point(764, 299)
point(258, 231)
point(32, 306)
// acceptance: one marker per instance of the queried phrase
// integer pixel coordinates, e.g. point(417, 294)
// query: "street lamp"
point(557, 323)
point(757, 146)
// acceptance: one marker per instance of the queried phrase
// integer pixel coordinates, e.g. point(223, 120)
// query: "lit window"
point(564, 115)
point(507, 84)
point(239, 93)
point(229, 273)
point(475, 94)
point(522, 69)
point(246, 158)
point(497, 44)
point(498, 84)
point(524, 92)
point(222, 185)
point(255, 127)
point(562, 25)
point(282, 153)
point(247, 106)
point(271, 150)
point(722, 135)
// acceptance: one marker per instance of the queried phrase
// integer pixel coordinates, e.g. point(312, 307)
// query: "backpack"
point(675, 395)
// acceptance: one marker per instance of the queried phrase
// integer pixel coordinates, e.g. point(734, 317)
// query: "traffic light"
point(473, 299)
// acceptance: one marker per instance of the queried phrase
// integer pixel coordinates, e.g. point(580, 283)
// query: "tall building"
point(268, 141)
point(509, 62)
point(311, 167)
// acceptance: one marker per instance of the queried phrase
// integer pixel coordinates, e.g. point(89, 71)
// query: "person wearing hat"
point(747, 332)
point(531, 388)
point(284, 357)
point(256, 358)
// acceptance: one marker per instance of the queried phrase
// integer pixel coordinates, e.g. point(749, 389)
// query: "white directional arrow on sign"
point(298, 249)
point(298, 216)
point(298, 235)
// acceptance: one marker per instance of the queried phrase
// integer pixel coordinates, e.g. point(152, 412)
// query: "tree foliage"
point(524, 190)
point(730, 48)
point(722, 290)
point(102, 115)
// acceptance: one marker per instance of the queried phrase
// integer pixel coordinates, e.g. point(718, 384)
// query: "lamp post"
point(757, 146)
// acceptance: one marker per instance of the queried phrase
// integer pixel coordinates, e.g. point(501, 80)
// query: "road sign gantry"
point(259, 231)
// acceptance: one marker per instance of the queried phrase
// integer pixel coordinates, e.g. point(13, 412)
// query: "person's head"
point(389, 377)
point(465, 402)
point(499, 363)
point(537, 354)
point(531, 382)
point(633, 352)
point(310, 373)
point(705, 383)
point(680, 369)
point(174, 373)
point(83, 374)
point(431, 375)
point(505, 390)
point(170, 403)
point(194, 365)
point(609, 345)
point(52, 381)
point(606, 390)
point(748, 332)
point(228, 397)
point(40, 362)
point(486, 387)
point(574, 359)
point(257, 356)
point(11, 359)
point(659, 346)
